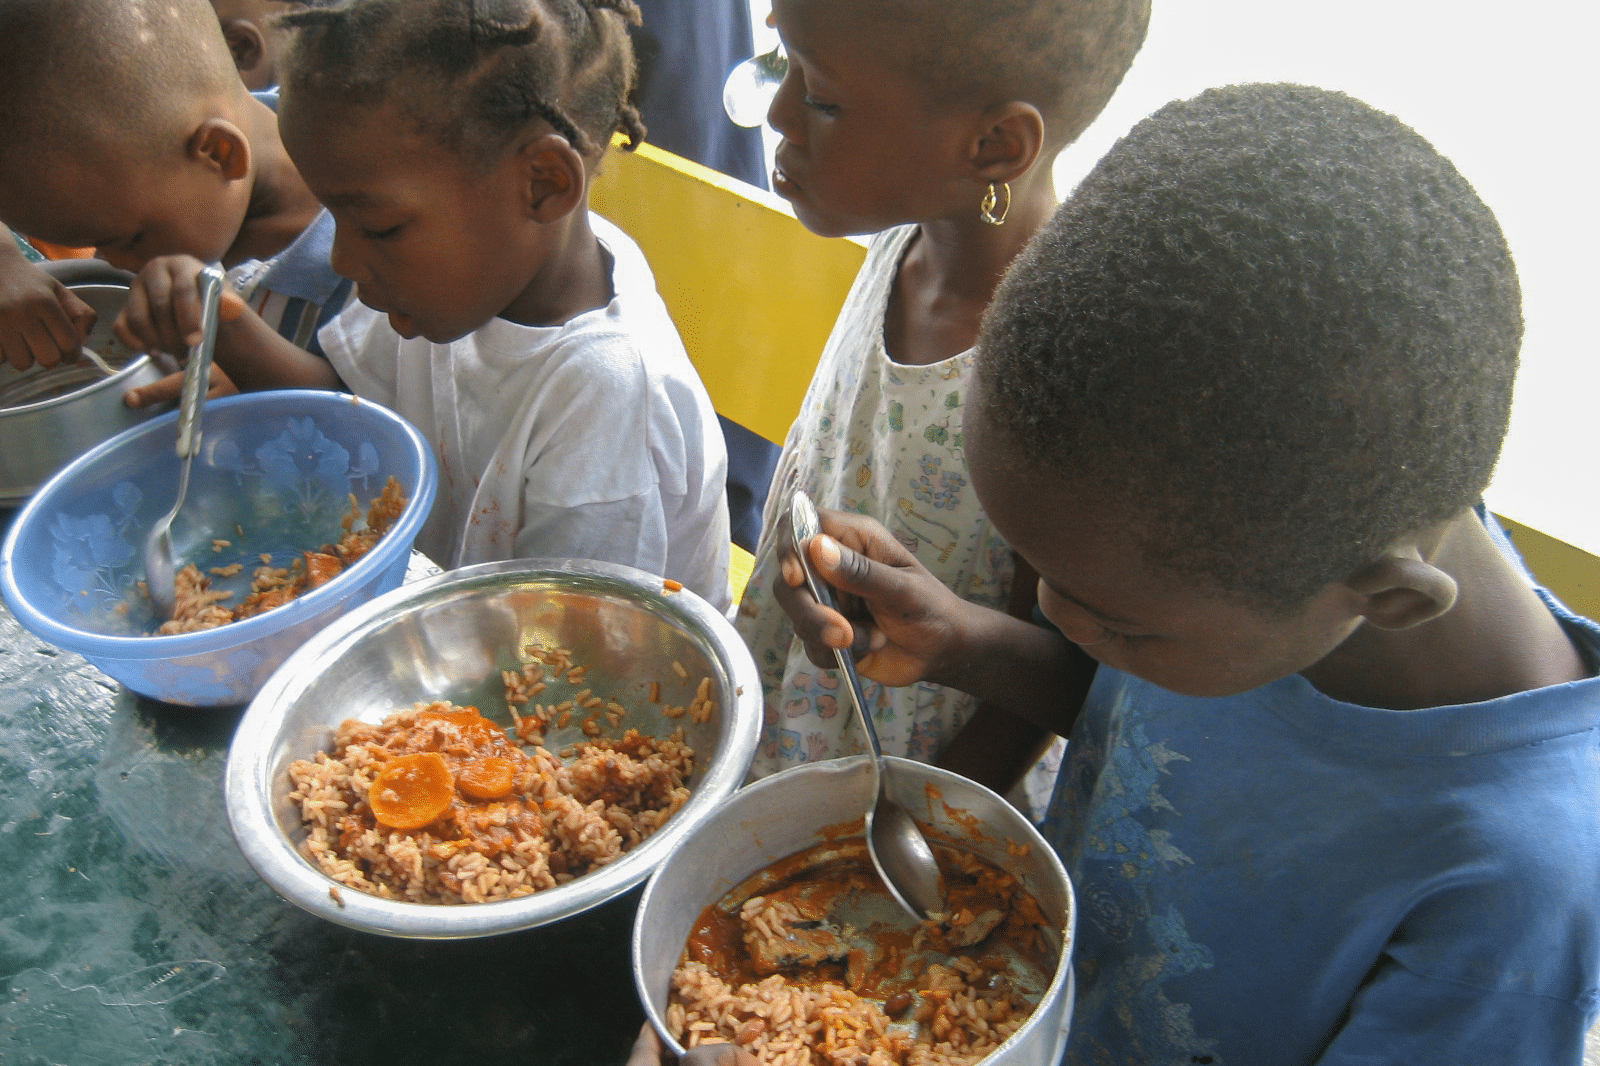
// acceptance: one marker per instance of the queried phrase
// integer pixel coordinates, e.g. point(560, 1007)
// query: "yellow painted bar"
point(753, 292)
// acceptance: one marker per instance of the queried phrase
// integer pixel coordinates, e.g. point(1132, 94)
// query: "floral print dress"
point(882, 439)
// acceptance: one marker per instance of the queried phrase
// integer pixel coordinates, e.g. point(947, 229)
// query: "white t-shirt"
point(883, 439)
point(590, 440)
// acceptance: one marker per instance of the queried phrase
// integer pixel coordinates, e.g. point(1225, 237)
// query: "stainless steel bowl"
point(51, 415)
point(448, 637)
point(801, 807)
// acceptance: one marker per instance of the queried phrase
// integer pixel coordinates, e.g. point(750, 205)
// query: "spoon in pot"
point(160, 569)
point(898, 849)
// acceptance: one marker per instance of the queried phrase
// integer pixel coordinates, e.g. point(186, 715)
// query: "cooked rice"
point(786, 1023)
point(199, 606)
point(560, 821)
point(955, 1013)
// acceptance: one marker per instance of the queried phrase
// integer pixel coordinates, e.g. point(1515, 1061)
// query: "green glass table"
point(133, 932)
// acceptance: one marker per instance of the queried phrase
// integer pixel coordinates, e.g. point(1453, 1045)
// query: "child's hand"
point(163, 310)
point(171, 386)
point(647, 1051)
point(41, 320)
point(902, 621)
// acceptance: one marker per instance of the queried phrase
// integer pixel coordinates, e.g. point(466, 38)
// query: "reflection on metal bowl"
point(51, 415)
point(448, 638)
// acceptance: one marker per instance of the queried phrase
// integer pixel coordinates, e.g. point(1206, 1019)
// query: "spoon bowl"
point(748, 92)
point(899, 851)
point(161, 576)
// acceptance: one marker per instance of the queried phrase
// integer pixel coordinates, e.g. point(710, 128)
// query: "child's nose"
point(781, 115)
point(343, 257)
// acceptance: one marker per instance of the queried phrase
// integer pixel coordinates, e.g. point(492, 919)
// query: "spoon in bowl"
point(160, 569)
point(899, 851)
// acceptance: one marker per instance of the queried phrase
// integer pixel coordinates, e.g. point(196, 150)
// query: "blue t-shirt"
point(1281, 878)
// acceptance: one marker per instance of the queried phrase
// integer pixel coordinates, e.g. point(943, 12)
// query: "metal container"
point(447, 638)
point(793, 810)
point(51, 415)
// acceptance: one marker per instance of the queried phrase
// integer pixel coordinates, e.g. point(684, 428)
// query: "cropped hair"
point(471, 74)
point(1273, 329)
point(87, 75)
point(1065, 57)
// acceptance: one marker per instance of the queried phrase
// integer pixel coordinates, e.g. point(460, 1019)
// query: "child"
point(454, 145)
point(1331, 790)
point(937, 123)
point(255, 39)
point(148, 146)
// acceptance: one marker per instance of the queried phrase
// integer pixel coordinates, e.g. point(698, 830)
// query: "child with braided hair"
point(454, 143)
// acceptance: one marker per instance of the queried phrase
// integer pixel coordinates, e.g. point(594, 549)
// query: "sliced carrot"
point(411, 790)
point(473, 725)
point(488, 778)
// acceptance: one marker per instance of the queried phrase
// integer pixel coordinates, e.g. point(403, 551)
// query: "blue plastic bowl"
point(278, 466)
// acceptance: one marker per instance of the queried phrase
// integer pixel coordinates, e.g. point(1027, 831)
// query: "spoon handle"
point(805, 524)
point(197, 371)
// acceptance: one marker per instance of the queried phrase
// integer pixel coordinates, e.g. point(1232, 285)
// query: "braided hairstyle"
point(1274, 329)
point(471, 74)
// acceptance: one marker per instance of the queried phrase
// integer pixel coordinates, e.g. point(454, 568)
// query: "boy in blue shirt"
point(1331, 792)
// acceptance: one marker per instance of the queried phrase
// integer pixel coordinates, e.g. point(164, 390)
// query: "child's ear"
point(1401, 591)
point(555, 176)
point(1010, 138)
point(223, 147)
point(248, 47)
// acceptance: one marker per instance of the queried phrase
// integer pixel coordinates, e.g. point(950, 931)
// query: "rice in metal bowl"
point(438, 804)
point(808, 963)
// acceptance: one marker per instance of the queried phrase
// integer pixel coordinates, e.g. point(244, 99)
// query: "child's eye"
point(819, 107)
point(379, 234)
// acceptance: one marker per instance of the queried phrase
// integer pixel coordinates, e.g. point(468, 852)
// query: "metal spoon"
point(898, 849)
point(160, 569)
point(748, 92)
point(98, 360)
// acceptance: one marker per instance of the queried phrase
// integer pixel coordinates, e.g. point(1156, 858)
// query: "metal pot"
point(51, 415)
point(789, 811)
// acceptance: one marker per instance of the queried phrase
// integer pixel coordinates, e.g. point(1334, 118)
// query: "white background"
point(1509, 93)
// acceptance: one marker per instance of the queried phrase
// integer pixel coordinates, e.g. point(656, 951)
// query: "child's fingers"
point(167, 389)
point(187, 312)
point(647, 1050)
point(718, 1055)
point(820, 628)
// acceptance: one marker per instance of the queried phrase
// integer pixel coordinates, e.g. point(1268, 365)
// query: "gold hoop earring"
point(991, 199)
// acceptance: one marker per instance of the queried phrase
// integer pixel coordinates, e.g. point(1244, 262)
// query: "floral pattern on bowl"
point(284, 496)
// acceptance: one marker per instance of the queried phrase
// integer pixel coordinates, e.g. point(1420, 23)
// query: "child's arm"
point(995, 747)
point(163, 314)
point(41, 321)
point(913, 628)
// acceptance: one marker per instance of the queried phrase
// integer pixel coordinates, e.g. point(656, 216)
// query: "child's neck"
point(950, 271)
point(281, 206)
point(575, 277)
point(1498, 639)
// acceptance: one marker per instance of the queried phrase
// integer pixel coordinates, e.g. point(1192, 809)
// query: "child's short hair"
point(87, 74)
point(1273, 327)
point(1064, 56)
point(473, 73)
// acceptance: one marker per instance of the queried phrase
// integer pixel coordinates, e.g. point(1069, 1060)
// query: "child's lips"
point(783, 184)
